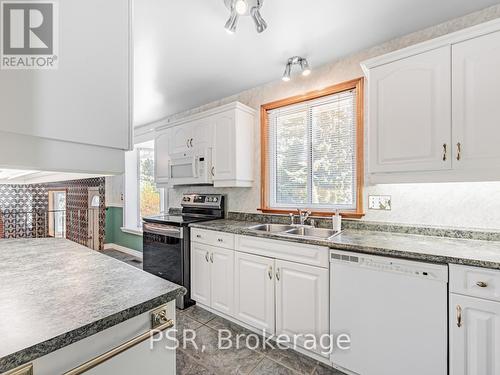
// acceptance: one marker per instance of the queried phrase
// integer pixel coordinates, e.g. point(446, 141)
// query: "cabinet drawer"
point(285, 250)
point(475, 282)
point(210, 237)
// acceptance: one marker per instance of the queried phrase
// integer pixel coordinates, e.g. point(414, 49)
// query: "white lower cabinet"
point(254, 291)
point(212, 277)
point(302, 301)
point(125, 349)
point(474, 336)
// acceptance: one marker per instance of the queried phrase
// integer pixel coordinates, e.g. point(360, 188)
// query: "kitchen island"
point(65, 303)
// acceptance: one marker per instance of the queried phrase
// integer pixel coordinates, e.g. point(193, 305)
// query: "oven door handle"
point(163, 231)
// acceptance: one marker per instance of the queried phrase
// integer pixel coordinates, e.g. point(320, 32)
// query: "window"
point(142, 197)
point(149, 194)
point(312, 154)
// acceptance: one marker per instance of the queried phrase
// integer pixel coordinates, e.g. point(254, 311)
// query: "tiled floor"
point(129, 259)
point(205, 357)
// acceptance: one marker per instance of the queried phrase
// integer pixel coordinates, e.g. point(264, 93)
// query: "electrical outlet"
point(380, 202)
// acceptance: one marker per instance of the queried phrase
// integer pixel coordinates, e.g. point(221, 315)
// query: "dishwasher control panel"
point(384, 264)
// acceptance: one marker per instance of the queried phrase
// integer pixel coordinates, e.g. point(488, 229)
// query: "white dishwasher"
point(394, 311)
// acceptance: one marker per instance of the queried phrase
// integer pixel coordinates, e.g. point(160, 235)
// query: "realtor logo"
point(29, 38)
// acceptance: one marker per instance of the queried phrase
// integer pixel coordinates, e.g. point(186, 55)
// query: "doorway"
point(57, 214)
point(94, 201)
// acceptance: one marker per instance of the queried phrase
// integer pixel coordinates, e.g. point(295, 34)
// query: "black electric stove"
point(166, 240)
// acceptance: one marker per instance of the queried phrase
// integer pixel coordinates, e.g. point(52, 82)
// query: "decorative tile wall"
point(22, 209)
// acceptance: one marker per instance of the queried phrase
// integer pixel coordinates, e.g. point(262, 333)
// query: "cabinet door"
point(475, 344)
point(254, 291)
point(200, 273)
point(224, 149)
point(201, 133)
point(302, 300)
point(222, 280)
point(476, 109)
point(410, 121)
point(180, 137)
point(162, 141)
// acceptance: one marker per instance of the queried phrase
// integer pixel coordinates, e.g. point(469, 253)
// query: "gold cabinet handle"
point(481, 284)
point(206, 256)
point(270, 272)
point(459, 316)
point(459, 151)
point(278, 274)
point(445, 151)
point(119, 349)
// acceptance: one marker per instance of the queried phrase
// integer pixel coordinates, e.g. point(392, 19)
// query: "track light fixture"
point(296, 60)
point(239, 8)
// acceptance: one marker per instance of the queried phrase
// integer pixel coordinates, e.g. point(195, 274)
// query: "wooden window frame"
point(355, 84)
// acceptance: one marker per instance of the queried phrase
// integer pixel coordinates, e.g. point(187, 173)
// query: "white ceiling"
point(184, 58)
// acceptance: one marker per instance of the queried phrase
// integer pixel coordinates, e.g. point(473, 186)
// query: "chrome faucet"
point(303, 215)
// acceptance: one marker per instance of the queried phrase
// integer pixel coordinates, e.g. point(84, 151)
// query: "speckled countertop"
point(54, 292)
point(410, 246)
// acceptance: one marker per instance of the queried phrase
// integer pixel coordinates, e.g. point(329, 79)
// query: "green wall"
point(114, 221)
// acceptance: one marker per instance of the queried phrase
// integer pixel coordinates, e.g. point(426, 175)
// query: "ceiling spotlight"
point(245, 8)
point(232, 22)
point(241, 7)
point(288, 70)
point(296, 60)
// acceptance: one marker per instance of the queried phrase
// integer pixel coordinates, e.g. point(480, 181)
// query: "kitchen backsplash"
point(460, 205)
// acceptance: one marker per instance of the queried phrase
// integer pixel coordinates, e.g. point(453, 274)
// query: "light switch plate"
point(380, 202)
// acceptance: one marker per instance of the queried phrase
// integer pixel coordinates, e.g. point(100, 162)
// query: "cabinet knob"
point(270, 272)
point(191, 142)
point(198, 236)
point(278, 274)
point(481, 284)
point(459, 151)
point(206, 256)
point(211, 257)
point(220, 240)
point(445, 151)
point(213, 171)
point(187, 143)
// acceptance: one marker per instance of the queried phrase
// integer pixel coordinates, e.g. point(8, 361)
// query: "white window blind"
point(312, 153)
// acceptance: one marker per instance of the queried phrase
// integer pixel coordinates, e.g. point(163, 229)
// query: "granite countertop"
point(54, 292)
point(409, 246)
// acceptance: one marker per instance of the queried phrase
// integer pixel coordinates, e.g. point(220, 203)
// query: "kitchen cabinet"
point(142, 356)
point(212, 277)
point(77, 117)
point(433, 109)
point(474, 318)
point(410, 114)
point(476, 113)
point(474, 336)
point(302, 300)
point(254, 291)
point(226, 136)
point(233, 148)
point(200, 273)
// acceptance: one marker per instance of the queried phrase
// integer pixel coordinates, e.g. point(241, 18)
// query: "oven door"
point(163, 251)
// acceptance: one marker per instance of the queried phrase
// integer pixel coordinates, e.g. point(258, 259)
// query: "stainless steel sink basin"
point(273, 228)
point(321, 233)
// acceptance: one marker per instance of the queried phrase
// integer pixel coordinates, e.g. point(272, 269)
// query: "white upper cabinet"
point(410, 115)
point(234, 148)
point(476, 109)
point(433, 109)
point(224, 135)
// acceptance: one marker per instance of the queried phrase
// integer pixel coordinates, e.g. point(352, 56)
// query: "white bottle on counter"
point(337, 221)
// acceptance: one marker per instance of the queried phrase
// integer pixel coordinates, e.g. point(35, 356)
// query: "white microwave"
point(193, 167)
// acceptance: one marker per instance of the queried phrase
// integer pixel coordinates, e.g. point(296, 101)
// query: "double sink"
point(299, 231)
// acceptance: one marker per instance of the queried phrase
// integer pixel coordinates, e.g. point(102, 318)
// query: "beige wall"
point(471, 205)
